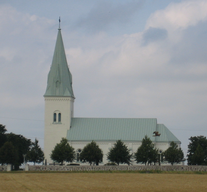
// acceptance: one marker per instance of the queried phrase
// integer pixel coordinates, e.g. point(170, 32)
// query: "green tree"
point(146, 153)
point(173, 154)
point(2, 135)
point(22, 146)
point(154, 156)
point(199, 156)
point(119, 153)
point(63, 152)
point(91, 153)
point(197, 151)
point(8, 154)
point(35, 154)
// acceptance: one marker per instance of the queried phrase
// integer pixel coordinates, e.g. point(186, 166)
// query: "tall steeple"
point(59, 99)
point(59, 83)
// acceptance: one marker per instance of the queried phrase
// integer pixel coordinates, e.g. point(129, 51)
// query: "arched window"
point(54, 117)
point(59, 117)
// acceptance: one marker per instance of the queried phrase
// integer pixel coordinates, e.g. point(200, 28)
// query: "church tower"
point(59, 99)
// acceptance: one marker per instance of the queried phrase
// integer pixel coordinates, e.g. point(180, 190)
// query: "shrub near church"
point(146, 153)
point(63, 152)
point(119, 153)
point(91, 153)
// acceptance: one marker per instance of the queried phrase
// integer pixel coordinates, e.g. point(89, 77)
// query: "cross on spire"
point(59, 22)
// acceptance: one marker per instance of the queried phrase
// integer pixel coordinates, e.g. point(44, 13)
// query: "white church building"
point(61, 123)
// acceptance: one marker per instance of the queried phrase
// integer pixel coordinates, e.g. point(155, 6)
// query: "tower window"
point(59, 117)
point(56, 117)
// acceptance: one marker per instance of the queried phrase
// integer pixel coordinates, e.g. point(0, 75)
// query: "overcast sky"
point(128, 58)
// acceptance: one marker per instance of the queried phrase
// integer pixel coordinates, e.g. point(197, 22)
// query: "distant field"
point(102, 182)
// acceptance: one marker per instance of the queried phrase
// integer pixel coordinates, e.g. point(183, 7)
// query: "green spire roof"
point(59, 82)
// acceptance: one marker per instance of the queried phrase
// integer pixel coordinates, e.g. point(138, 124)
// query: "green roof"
point(59, 83)
point(112, 129)
point(166, 134)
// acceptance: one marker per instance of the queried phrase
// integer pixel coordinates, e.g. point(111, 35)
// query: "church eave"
point(58, 96)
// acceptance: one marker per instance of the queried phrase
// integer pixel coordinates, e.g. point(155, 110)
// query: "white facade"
point(56, 127)
point(106, 146)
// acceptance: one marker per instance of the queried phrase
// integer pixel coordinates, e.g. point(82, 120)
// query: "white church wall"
point(162, 146)
point(105, 146)
point(55, 131)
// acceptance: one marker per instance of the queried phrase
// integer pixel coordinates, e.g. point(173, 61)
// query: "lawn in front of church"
point(97, 182)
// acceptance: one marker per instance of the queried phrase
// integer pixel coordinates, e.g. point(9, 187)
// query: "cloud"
point(179, 15)
point(154, 34)
point(191, 49)
point(113, 75)
point(22, 57)
point(105, 14)
point(164, 79)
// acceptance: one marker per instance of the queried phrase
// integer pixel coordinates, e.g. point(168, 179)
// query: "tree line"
point(118, 154)
point(13, 149)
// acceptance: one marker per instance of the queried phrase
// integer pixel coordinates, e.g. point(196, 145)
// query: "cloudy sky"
point(128, 58)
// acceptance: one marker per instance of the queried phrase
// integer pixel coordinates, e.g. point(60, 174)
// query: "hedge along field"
point(102, 182)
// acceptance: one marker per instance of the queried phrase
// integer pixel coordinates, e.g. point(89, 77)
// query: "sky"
point(128, 58)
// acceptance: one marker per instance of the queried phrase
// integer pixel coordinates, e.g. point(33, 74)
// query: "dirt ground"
point(102, 182)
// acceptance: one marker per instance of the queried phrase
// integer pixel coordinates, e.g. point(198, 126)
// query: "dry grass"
point(102, 182)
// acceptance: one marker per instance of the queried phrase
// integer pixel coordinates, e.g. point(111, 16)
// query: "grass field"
point(102, 182)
